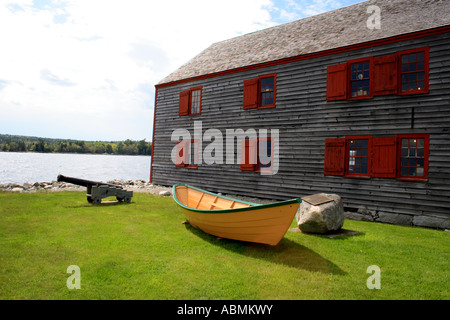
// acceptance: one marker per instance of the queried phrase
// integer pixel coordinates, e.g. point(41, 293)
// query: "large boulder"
point(320, 213)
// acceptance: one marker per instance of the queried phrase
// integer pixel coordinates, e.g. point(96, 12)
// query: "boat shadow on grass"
point(287, 252)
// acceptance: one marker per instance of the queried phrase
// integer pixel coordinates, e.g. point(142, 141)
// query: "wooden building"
point(360, 97)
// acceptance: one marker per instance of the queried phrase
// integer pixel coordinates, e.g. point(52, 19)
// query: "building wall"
point(305, 119)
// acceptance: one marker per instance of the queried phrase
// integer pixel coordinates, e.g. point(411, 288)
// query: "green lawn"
point(142, 250)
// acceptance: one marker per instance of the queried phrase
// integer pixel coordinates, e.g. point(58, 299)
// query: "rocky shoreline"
point(138, 186)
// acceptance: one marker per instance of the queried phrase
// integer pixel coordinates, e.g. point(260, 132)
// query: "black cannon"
point(96, 191)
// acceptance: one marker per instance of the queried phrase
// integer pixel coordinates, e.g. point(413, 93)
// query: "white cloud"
point(66, 64)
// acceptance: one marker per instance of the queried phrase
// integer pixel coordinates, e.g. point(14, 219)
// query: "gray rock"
point(164, 193)
point(17, 189)
point(431, 222)
point(322, 218)
point(395, 218)
point(27, 185)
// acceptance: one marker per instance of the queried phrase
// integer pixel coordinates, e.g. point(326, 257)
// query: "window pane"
point(420, 152)
point(365, 143)
point(420, 85)
point(412, 66)
point(364, 170)
point(421, 56)
point(364, 152)
point(405, 143)
point(412, 57)
point(405, 68)
point(404, 162)
point(405, 58)
point(420, 143)
point(420, 66)
point(419, 172)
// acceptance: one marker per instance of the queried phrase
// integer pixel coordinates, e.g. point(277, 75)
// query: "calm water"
point(45, 167)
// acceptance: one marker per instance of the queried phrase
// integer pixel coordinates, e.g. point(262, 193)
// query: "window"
point(190, 102)
point(265, 154)
point(358, 160)
point(260, 92)
point(360, 79)
point(402, 73)
point(257, 155)
point(187, 154)
point(267, 91)
point(413, 70)
point(413, 153)
point(404, 157)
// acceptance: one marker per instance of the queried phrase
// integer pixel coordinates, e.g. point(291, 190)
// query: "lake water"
point(19, 168)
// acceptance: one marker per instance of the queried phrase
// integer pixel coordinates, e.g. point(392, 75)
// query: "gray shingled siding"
point(305, 119)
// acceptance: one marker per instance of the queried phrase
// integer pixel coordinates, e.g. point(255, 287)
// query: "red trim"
point(274, 75)
point(189, 148)
point(426, 150)
point(337, 82)
point(349, 78)
point(363, 45)
point(272, 148)
point(250, 100)
point(384, 157)
point(334, 163)
point(190, 101)
point(426, 88)
point(369, 158)
point(385, 75)
point(153, 139)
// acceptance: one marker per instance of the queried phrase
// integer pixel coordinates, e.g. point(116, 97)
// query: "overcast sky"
point(86, 69)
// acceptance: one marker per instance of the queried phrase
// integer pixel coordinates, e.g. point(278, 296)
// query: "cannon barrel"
point(83, 182)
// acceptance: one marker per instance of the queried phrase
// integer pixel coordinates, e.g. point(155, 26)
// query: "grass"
point(142, 250)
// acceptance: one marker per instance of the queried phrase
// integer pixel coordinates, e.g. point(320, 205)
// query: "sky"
point(87, 69)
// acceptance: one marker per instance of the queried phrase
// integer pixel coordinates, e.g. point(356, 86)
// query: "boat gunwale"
point(253, 206)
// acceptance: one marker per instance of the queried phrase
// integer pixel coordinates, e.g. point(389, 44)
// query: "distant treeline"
point(12, 143)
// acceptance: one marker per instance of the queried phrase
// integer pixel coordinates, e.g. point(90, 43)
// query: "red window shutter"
point(385, 75)
point(384, 157)
point(184, 103)
point(337, 82)
point(334, 163)
point(248, 155)
point(251, 93)
point(181, 153)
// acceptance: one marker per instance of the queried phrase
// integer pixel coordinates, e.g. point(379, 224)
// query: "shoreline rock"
point(138, 186)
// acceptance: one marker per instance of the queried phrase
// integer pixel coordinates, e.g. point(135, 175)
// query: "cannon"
point(96, 191)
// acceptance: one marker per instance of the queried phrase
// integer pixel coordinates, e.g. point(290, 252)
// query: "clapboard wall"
point(305, 119)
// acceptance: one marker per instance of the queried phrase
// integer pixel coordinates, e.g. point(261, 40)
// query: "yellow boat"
point(235, 219)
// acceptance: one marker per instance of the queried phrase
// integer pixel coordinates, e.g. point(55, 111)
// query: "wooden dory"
point(235, 219)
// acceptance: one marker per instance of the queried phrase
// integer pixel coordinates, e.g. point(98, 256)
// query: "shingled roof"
point(330, 30)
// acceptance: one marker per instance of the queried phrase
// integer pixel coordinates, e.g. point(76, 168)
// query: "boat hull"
point(250, 222)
